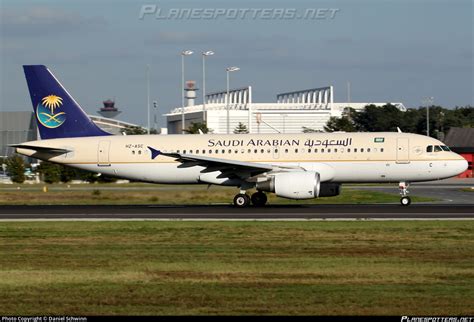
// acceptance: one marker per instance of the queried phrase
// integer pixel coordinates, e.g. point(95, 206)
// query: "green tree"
point(241, 129)
point(16, 168)
point(344, 123)
point(195, 127)
point(138, 130)
point(50, 172)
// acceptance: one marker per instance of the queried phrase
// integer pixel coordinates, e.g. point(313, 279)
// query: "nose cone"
point(460, 165)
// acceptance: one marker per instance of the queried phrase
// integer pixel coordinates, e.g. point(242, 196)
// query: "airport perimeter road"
point(224, 212)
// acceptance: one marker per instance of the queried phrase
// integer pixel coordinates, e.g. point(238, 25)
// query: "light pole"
point(229, 70)
point(183, 53)
point(428, 101)
point(155, 110)
point(204, 55)
point(148, 96)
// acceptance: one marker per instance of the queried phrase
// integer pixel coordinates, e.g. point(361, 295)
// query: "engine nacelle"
point(293, 185)
point(299, 185)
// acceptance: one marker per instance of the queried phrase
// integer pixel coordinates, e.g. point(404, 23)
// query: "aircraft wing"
point(43, 149)
point(228, 168)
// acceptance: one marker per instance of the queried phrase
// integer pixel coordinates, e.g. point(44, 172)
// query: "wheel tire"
point(259, 199)
point(405, 201)
point(241, 200)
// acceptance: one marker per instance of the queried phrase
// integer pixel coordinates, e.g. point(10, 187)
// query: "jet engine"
point(299, 185)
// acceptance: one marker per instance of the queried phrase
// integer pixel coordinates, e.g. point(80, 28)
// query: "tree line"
point(388, 117)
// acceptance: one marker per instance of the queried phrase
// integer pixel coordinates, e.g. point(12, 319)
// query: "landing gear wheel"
point(405, 201)
point(259, 199)
point(241, 200)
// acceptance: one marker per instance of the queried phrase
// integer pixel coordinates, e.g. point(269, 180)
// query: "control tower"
point(109, 110)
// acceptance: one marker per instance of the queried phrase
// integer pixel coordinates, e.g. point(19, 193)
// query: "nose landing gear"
point(404, 200)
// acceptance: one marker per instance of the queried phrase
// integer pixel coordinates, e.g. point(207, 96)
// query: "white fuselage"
point(338, 157)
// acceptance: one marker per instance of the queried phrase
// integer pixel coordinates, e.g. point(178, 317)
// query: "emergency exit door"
point(103, 154)
point(403, 150)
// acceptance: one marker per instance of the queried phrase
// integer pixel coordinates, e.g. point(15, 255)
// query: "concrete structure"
point(16, 127)
point(292, 111)
point(109, 110)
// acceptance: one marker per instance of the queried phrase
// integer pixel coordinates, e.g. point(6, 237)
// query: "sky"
point(389, 51)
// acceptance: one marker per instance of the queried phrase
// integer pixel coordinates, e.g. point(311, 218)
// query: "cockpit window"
point(437, 148)
point(445, 148)
point(429, 148)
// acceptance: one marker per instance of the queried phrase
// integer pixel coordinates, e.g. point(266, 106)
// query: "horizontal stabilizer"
point(43, 149)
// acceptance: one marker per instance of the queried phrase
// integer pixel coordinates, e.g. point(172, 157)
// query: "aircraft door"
point(103, 154)
point(403, 150)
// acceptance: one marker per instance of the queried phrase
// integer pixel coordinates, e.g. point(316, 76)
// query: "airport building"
point(290, 113)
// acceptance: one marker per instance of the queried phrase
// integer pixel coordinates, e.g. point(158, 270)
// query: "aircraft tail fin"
point(57, 114)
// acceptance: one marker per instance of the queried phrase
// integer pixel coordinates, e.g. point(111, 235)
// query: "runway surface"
point(224, 212)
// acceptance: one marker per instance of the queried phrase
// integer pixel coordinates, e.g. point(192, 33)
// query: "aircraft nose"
point(461, 165)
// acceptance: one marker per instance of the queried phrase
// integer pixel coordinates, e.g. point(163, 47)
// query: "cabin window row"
point(296, 150)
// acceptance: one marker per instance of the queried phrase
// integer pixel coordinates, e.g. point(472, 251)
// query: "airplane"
point(293, 166)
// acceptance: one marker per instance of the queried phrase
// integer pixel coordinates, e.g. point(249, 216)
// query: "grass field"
point(156, 268)
point(111, 194)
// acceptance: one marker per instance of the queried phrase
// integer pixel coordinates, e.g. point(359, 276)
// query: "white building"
point(292, 111)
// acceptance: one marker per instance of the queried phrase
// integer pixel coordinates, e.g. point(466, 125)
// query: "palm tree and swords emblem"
point(46, 109)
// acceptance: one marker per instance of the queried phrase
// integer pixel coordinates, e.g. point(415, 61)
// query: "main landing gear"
point(242, 199)
point(404, 200)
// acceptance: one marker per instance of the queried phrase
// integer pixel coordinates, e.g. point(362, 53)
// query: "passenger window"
point(217, 151)
point(255, 151)
point(315, 150)
point(276, 150)
point(368, 149)
point(236, 151)
point(355, 149)
point(268, 150)
point(249, 151)
point(286, 150)
point(362, 150)
point(335, 150)
point(329, 150)
point(429, 148)
point(210, 151)
point(133, 152)
point(296, 150)
point(309, 150)
point(203, 151)
point(139, 151)
point(262, 150)
point(177, 151)
point(322, 150)
point(230, 151)
point(190, 151)
point(197, 151)
point(348, 149)
point(184, 151)
point(381, 149)
point(223, 151)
